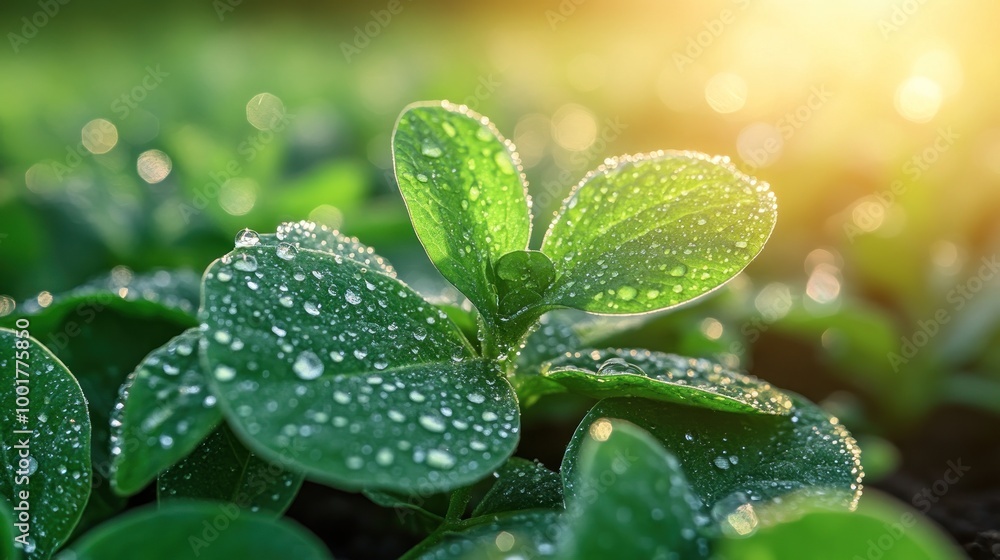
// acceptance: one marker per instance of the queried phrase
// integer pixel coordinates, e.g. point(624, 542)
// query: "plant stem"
point(457, 504)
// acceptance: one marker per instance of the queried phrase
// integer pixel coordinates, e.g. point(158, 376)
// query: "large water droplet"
point(224, 373)
point(432, 423)
point(430, 149)
point(440, 459)
point(247, 238)
point(308, 366)
point(617, 366)
point(246, 263)
point(286, 251)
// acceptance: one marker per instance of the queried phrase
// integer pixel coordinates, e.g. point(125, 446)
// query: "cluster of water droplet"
point(163, 403)
point(672, 377)
point(350, 357)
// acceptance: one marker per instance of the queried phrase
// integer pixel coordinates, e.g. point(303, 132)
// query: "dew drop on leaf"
point(308, 366)
point(247, 238)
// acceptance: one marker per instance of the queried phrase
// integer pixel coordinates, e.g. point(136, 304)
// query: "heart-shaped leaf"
point(732, 459)
point(630, 499)
point(164, 412)
point(196, 531)
point(666, 377)
point(45, 443)
point(466, 195)
point(348, 374)
point(881, 528)
point(523, 534)
point(221, 469)
point(521, 484)
point(652, 231)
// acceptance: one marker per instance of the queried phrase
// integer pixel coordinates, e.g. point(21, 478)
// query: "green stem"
point(457, 504)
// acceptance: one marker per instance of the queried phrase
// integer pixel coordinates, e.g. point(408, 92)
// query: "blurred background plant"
point(141, 137)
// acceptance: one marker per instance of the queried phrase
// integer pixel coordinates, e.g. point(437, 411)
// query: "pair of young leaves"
point(638, 234)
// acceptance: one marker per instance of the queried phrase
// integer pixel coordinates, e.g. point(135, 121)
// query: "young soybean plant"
point(311, 360)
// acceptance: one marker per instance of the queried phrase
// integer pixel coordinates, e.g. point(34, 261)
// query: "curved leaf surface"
point(652, 231)
point(666, 377)
point(165, 410)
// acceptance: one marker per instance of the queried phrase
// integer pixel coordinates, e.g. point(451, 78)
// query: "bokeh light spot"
point(726, 92)
point(574, 127)
point(153, 166)
point(918, 99)
point(238, 196)
point(265, 111)
point(99, 136)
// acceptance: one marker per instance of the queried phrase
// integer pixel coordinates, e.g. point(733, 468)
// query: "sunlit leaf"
point(653, 231)
point(164, 412)
point(196, 531)
point(348, 374)
point(45, 471)
point(465, 193)
point(221, 469)
point(630, 499)
point(732, 459)
point(667, 377)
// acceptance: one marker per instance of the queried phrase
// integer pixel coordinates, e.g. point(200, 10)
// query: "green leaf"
point(221, 469)
point(466, 195)
point(732, 458)
point(525, 534)
point(652, 231)
point(881, 528)
point(195, 530)
point(412, 511)
point(168, 294)
point(348, 374)
point(7, 549)
point(666, 377)
point(165, 410)
point(625, 480)
point(521, 484)
point(51, 463)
